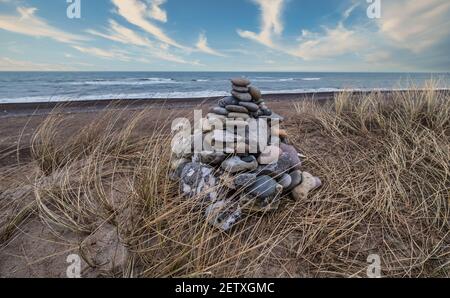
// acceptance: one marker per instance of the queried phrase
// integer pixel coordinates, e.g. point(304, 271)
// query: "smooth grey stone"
point(296, 180)
point(251, 107)
point(240, 89)
point(236, 164)
point(248, 158)
point(237, 109)
point(255, 93)
point(292, 154)
point(264, 187)
point(219, 111)
point(229, 100)
point(285, 181)
point(242, 96)
point(244, 180)
point(241, 82)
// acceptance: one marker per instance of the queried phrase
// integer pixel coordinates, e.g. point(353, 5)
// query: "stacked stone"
point(238, 178)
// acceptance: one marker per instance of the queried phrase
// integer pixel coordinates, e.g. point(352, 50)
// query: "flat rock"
point(255, 93)
point(229, 100)
point(219, 111)
point(242, 96)
point(250, 106)
point(236, 164)
point(264, 187)
point(240, 89)
point(214, 117)
point(237, 109)
point(241, 82)
point(225, 136)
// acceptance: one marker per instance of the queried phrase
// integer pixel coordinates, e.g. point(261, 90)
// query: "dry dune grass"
point(384, 163)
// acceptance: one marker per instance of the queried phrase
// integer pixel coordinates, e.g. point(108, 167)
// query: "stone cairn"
point(244, 163)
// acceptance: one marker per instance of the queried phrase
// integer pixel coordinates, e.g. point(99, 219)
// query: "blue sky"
point(231, 35)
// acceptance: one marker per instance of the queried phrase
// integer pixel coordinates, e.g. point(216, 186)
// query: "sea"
point(25, 87)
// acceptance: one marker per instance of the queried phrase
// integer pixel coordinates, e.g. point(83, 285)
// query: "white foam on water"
point(181, 95)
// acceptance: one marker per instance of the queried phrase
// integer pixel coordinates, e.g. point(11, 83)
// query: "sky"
point(231, 35)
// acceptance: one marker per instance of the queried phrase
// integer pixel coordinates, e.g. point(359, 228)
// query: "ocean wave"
point(311, 79)
point(181, 95)
point(130, 81)
point(268, 80)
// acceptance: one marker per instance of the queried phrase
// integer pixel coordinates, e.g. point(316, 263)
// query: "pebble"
point(292, 155)
point(242, 96)
point(239, 116)
point(225, 136)
point(219, 111)
point(296, 179)
point(285, 181)
point(237, 109)
point(265, 187)
point(236, 164)
point(251, 107)
point(269, 155)
point(229, 100)
point(241, 82)
point(308, 184)
point(214, 117)
point(240, 89)
point(255, 93)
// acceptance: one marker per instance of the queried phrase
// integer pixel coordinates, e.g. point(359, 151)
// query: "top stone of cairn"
point(240, 82)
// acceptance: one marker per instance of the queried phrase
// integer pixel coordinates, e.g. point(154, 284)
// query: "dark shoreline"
point(43, 108)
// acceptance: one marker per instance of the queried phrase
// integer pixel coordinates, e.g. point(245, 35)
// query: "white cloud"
point(27, 23)
point(202, 46)
point(415, 24)
point(156, 12)
point(121, 34)
point(104, 54)
point(334, 42)
point(271, 23)
point(135, 12)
